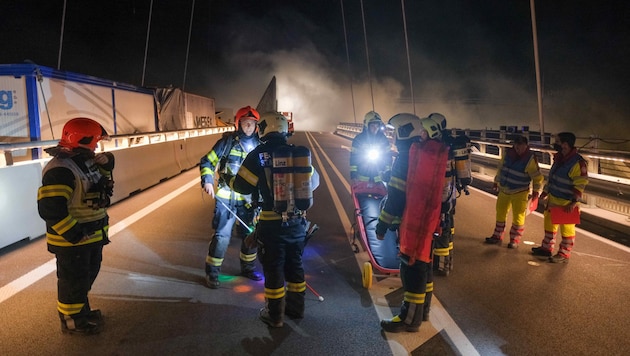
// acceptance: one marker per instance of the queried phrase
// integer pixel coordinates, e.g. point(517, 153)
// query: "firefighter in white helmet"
point(413, 207)
point(285, 179)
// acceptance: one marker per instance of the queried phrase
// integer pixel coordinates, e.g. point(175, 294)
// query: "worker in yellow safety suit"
point(568, 178)
point(518, 181)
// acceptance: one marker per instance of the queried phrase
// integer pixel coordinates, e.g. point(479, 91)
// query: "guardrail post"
point(592, 164)
point(8, 158)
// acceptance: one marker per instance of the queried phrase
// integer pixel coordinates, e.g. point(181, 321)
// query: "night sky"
point(471, 60)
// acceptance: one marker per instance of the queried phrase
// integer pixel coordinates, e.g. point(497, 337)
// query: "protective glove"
point(495, 187)
point(225, 178)
point(381, 229)
point(251, 240)
point(386, 176)
point(569, 208)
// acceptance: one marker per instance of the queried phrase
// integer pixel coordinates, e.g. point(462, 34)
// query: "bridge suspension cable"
point(345, 37)
point(367, 55)
point(404, 16)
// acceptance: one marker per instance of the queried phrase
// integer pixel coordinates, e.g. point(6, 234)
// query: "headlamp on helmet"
point(372, 117)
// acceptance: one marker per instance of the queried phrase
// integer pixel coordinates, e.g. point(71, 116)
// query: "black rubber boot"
point(79, 326)
point(409, 320)
point(95, 316)
point(273, 313)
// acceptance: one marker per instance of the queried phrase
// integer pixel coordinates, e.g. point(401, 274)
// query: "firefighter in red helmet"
point(73, 199)
point(226, 157)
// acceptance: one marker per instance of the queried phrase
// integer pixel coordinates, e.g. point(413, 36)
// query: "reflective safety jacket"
point(515, 173)
point(226, 156)
point(370, 156)
point(568, 178)
point(70, 201)
point(255, 176)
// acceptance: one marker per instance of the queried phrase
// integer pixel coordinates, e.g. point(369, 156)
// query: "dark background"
point(472, 60)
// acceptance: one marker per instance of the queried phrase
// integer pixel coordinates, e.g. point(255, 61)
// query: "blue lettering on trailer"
point(6, 99)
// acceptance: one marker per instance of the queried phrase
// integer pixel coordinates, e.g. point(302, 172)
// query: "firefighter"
point(457, 179)
point(413, 207)
point(272, 170)
point(518, 170)
point(226, 157)
point(370, 157)
point(73, 199)
point(568, 178)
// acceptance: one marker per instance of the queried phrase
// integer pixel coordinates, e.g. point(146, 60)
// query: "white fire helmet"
point(273, 123)
point(406, 126)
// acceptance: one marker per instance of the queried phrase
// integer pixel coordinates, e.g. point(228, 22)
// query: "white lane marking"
point(18, 285)
point(444, 320)
point(26, 280)
point(311, 140)
point(345, 221)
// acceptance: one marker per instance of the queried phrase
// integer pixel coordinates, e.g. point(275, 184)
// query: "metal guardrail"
point(606, 167)
point(114, 142)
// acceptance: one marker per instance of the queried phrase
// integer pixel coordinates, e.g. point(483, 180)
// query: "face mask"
point(557, 147)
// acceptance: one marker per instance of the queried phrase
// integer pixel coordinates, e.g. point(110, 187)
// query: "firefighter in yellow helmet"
point(457, 179)
point(370, 157)
point(73, 200)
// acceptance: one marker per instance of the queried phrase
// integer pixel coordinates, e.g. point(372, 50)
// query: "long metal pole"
point(63, 23)
point(192, 12)
point(413, 101)
point(146, 46)
point(345, 36)
point(367, 55)
point(537, 64)
point(246, 226)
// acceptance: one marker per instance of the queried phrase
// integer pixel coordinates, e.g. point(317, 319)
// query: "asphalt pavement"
point(152, 293)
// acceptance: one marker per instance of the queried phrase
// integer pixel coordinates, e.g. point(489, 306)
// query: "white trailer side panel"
point(200, 111)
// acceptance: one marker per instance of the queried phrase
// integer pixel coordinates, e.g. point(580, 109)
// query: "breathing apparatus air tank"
point(282, 176)
point(463, 166)
point(302, 171)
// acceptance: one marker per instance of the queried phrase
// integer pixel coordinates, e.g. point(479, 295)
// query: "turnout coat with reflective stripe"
point(227, 154)
point(66, 201)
